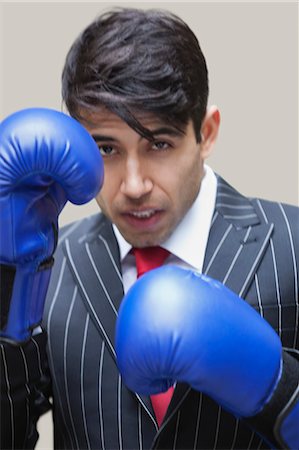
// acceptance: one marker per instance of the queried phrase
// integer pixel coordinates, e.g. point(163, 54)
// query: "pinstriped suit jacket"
point(253, 248)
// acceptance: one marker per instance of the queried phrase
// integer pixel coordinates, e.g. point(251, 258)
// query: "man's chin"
point(141, 235)
point(142, 242)
point(145, 240)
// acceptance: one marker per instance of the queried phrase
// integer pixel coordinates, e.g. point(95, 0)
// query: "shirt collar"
point(189, 240)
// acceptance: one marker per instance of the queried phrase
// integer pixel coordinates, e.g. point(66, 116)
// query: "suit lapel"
point(237, 242)
point(94, 261)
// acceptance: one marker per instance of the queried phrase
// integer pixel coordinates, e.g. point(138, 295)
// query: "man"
point(137, 81)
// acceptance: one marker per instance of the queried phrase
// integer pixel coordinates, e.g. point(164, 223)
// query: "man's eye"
point(106, 150)
point(160, 145)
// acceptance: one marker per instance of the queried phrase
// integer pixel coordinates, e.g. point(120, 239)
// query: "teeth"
point(143, 214)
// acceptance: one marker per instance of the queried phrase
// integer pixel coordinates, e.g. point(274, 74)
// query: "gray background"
point(252, 55)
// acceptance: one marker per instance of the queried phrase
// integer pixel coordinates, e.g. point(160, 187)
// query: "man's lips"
point(144, 218)
point(142, 214)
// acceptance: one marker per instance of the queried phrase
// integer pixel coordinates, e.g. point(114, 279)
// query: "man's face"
point(148, 186)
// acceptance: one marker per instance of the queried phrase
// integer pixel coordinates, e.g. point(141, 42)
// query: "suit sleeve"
point(25, 391)
point(278, 422)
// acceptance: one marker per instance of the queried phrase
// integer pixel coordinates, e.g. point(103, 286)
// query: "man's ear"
point(209, 130)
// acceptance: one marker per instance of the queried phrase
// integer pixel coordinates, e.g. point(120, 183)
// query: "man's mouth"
point(146, 214)
point(144, 219)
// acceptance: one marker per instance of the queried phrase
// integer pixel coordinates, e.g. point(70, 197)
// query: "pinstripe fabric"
point(23, 375)
point(253, 248)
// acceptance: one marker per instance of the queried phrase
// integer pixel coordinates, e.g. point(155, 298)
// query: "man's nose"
point(136, 181)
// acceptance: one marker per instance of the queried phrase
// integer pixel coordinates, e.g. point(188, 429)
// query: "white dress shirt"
point(187, 244)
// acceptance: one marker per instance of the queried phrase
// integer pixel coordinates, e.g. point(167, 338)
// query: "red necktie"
point(149, 258)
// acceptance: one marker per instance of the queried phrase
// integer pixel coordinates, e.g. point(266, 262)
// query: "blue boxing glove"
point(176, 325)
point(46, 158)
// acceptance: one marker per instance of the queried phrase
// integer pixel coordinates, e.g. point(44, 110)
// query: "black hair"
point(132, 61)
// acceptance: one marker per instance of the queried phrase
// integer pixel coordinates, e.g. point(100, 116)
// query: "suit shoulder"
point(272, 210)
point(285, 218)
point(77, 230)
point(73, 232)
point(82, 227)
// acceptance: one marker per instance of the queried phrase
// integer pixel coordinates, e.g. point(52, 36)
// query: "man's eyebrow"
point(102, 138)
point(167, 130)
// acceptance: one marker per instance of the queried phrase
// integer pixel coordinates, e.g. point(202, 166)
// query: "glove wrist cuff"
point(266, 421)
point(22, 302)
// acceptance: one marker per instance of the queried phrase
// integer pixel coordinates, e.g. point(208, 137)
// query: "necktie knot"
point(149, 258)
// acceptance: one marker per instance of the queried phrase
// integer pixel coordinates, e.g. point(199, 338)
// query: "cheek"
point(186, 173)
point(113, 175)
point(109, 187)
point(186, 188)
point(105, 197)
